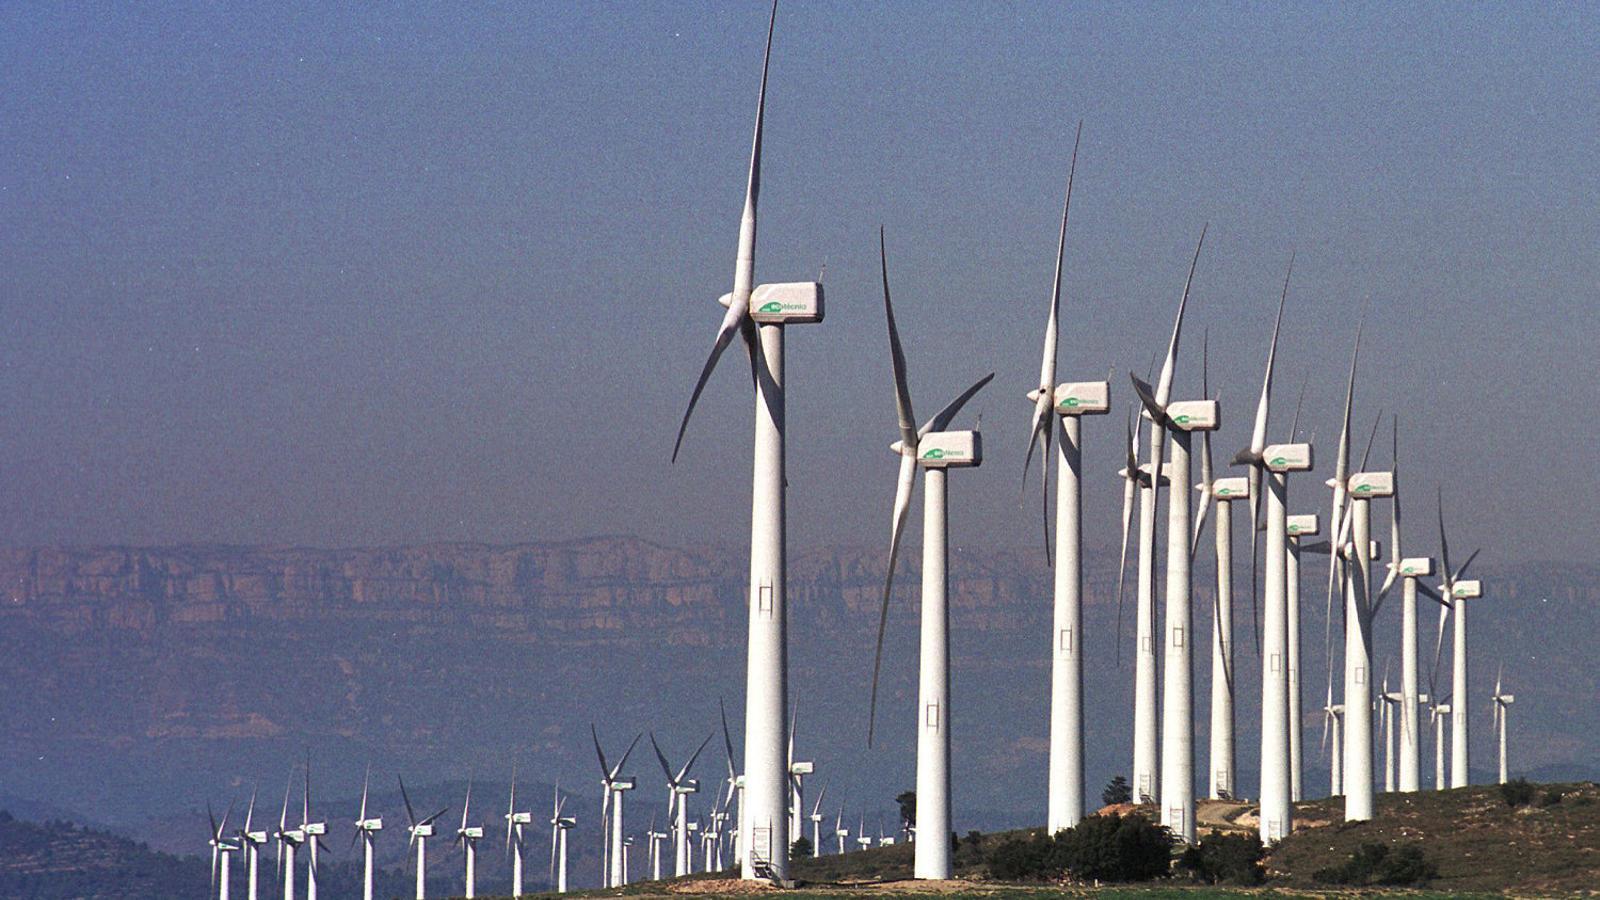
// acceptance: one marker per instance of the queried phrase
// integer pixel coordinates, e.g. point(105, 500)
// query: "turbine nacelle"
point(806, 768)
point(1195, 415)
point(471, 832)
point(1079, 398)
point(1236, 488)
point(1304, 525)
point(687, 786)
point(422, 831)
point(370, 825)
point(946, 449)
point(1287, 457)
point(1415, 566)
point(564, 822)
point(313, 829)
point(623, 783)
point(521, 818)
point(1467, 590)
point(789, 303)
point(255, 837)
point(1371, 484)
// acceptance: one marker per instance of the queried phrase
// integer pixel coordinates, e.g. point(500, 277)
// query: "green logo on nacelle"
point(935, 453)
point(1071, 402)
point(1182, 420)
point(1294, 529)
point(771, 306)
point(1364, 489)
point(1278, 461)
point(1408, 570)
point(1223, 492)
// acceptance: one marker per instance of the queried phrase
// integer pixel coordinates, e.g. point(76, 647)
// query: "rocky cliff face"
point(140, 676)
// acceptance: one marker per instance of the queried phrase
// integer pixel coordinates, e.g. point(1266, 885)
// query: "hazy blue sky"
point(354, 275)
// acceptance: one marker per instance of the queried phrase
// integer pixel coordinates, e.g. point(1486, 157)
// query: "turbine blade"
point(605, 768)
point(731, 322)
point(411, 816)
point(902, 508)
point(1129, 487)
point(1164, 386)
point(727, 739)
point(627, 753)
point(1205, 448)
point(1456, 576)
point(666, 769)
point(1395, 556)
point(942, 421)
point(1444, 543)
point(365, 780)
point(897, 358)
point(696, 755)
point(1147, 399)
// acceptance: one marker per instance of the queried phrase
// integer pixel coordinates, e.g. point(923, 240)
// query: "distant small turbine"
point(679, 787)
point(221, 847)
point(1502, 707)
point(467, 837)
point(514, 837)
point(559, 826)
point(366, 831)
point(1452, 596)
point(420, 830)
point(613, 868)
point(252, 841)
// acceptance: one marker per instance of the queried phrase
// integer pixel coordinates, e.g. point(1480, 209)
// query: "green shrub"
point(1019, 859)
point(801, 848)
point(1550, 798)
point(1117, 791)
point(1098, 848)
point(1401, 865)
point(1517, 792)
point(1225, 859)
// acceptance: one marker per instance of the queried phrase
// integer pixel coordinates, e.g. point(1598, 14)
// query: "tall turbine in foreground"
point(1224, 779)
point(613, 785)
point(467, 836)
point(1502, 707)
point(221, 847)
point(559, 826)
point(1067, 402)
point(679, 787)
point(514, 837)
point(366, 831)
point(420, 830)
point(1452, 596)
point(758, 316)
point(1145, 738)
point(934, 450)
point(1277, 812)
point(253, 841)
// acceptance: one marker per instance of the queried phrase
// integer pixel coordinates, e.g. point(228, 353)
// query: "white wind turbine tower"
point(1298, 527)
point(1277, 811)
point(758, 316)
point(221, 847)
point(1357, 763)
point(1502, 707)
point(1066, 402)
point(1389, 703)
point(816, 824)
point(467, 836)
point(862, 840)
point(613, 786)
point(1452, 596)
point(1177, 706)
point(1145, 738)
point(934, 450)
point(514, 837)
point(839, 831)
point(287, 839)
point(366, 831)
point(559, 826)
point(313, 832)
point(420, 831)
point(1226, 492)
point(252, 841)
point(1410, 569)
point(679, 787)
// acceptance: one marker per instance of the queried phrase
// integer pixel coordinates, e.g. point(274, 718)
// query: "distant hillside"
point(59, 860)
point(144, 682)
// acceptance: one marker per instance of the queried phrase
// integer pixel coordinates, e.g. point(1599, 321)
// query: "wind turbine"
point(679, 787)
point(1333, 717)
point(862, 839)
point(1066, 403)
point(1299, 527)
point(655, 839)
point(1410, 569)
point(1145, 747)
point(1177, 707)
point(1440, 714)
point(313, 832)
point(1502, 707)
point(366, 831)
point(1226, 492)
point(1277, 811)
point(1452, 596)
point(613, 870)
point(514, 839)
point(798, 770)
point(935, 451)
point(1389, 705)
point(221, 847)
point(420, 831)
point(839, 831)
point(758, 315)
point(252, 841)
point(816, 823)
point(467, 836)
point(288, 839)
point(735, 784)
point(559, 826)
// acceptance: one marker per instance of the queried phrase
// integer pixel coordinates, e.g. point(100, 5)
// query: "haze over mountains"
point(143, 682)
